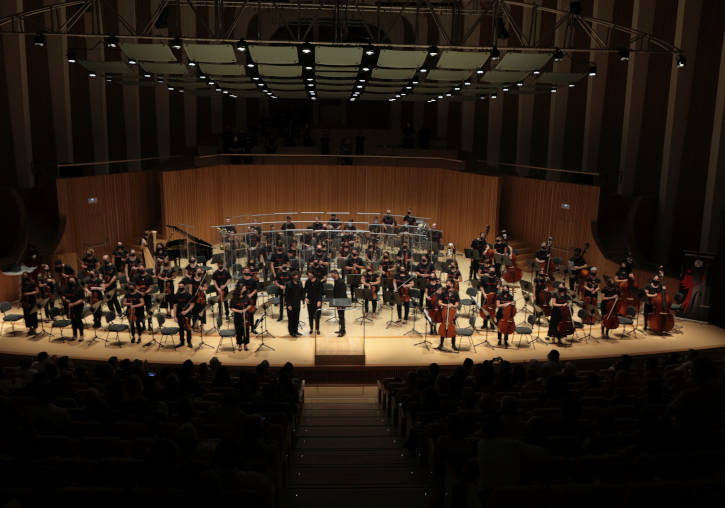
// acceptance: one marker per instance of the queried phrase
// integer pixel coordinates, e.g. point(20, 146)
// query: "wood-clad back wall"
point(460, 203)
point(127, 203)
point(9, 287)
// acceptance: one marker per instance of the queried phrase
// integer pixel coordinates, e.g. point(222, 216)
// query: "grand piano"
point(196, 246)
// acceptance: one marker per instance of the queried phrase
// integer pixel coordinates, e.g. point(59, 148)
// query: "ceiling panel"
point(222, 69)
point(402, 59)
point(211, 53)
point(470, 60)
point(559, 78)
point(107, 67)
point(328, 55)
point(279, 55)
point(523, 61)
point(337, 74)
point(287, 71)
point(503, 76)
point(379, 73)
point(445, 75)
point(148, 52)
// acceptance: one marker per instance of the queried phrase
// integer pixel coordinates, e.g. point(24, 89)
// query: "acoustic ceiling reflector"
point(337, 74)
point(383, 89)
point(222, 69)
point(470, 60)
point(559, 78)
point(280, 55)
point(211, 53)
point(333, 95)
point(503, 76)
point(291, 95)
point(147, 52)
point(164, 68)
point(523, 61)
point(444, 75)
point(284, 71)
point(402, 59)
point(288, 86)
point(379, 73)
point(328, 55)
point(106, 67)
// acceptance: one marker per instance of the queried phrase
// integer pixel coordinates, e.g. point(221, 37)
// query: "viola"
point(512, 273)
point(447, 328)
point(506, 324)
point(610, 320)
point(565, 326)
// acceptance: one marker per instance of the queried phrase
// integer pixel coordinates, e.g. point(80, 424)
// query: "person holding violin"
point(489, 290)
point(89, 261)
point(403, 256)
point(221, 279)
point(402, 285)
point(503, 248)
point(424, 271)
point(339, 290)
point(505, 299)
point(559, 301)
point(371, 280)
point(653, 289)
point(433, 289)
point(191, 268)
point(109, 274)
point(198, 315)
point(28, 301)
point(577, 264)
point(372, 252)
point(454, 274)
point(610, 293)
point(241, 306)
point(321, 256)
point(251, 283)
point(319, 269)
point(387, 265)
point(283, 277)
point(119, 257)
point(166, 281)
point(345, 249)
point(94, 289)
point(449, 302)
point(133, 301)
point(277, 259)
point(313, 300)
point(624, 274)
point(353, 266)
point(591, 286)
point(183, 305)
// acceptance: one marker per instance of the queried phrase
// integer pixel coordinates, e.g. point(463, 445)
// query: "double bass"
point(512, 273)
point(447, 328)
point(543, 298)
point(548, 265)
point(661, 319)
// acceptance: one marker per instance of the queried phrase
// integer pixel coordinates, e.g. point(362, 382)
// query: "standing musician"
point(109, 274)
point(283, 277)
point(486, 262)
point(319, 269)
point(183, 306)
point(242, 309)
point(501, 247)
point(591, 285)
point(541, 285)
point(353, 266)
point(478, 244)
point(403, 256)
point(166, 281)
point(200, 286)
point(75, 299)
point(454, 274)
point(251, 283)
point(348, 227)
point(89, 261)
point(133, 262)
point(119, 257)
point(277, 259)
point(374, 226)
point(133, 301)
point(624, 274)
point(28, 301)
point(94, 289)
point(191, 268)
point(221, 281)
point(371, 280)
point(317, 225)
point(543, 254)
point(654, 287)
point(292, 251)
point(294, 293)
point(609, 292)
point(160, 256)
point(63, 272)
point(433, 288)
point(47, 288)
point(436, 235)
point(559, 300)
point(489, 290)
point(424, 271)
point(504, 299)
point(402, 286)
point(449, 299)
point(578, 263)
point(388, 218)
point(288, 227)
point(334, 222)
point(409, 218)
point(387, 265)
point(313, 300)
point(144, 285)
point(339, 290)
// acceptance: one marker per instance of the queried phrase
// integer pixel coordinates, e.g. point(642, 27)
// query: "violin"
point(565, 326)
point(447, 328)
point(506, 324)
point(610, 320)
point(661, 319)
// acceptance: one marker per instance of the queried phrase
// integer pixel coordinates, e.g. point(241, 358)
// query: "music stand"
point(363, 294)
point(264, 331)
point(40, 303)
point(394, 301)
point(429, 322)
point(485, 341)
point(415, 299)
point(340, 303)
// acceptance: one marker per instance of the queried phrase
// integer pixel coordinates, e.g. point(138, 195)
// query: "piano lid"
point(190, 236)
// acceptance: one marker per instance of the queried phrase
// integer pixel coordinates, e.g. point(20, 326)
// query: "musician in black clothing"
point(251, 284)
point(345, 249)
point(504, 299)
point(200, 286)
point(559, 300)
point(353, 266)
point(543, 253)
point(241, 306)
point(134, 300)
point(577, 264)
point(144, 284)
point(403, 256)
point(436, 235)
point(288, 227)
point(424, 271)
point(374, 226)
point(28, 301)
point(89, 261)
point(501, 247)
point(339, 290)
point(183, 307)
point(283, 277)
point(166, 281)
point(119, 257)
point(294, 292)
point(321, 256)
point(313, 300)
point(317, 225)
point(371, 280)
point(372, 252)
point(133, 263)
point(319, 269)
point(349, 226)
point(221, 280)
point(94, 289)
point(160, 256)
point(191, 268)
point(449, 300)
point(63, 271)
point(109, 274)
point(402, 285)
point(475, 263)
point(489, 285)
point(74, 296)
point(624, 274)
point(433, 288)
point(388, 218)
point(387, 265)
point(609, 292)
point(591, 285)
point(654, 288)
point(334, 222)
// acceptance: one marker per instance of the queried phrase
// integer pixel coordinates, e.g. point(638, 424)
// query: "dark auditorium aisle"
point(346, 455)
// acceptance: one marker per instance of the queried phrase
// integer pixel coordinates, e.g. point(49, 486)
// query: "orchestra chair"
point(521, 330)
point(470, 302)
point(628, 320)
point(273, 293)
point(9, 318)
point(167, 332)
point(225, 333)
point(467, 332)
point(57, 323)
point(114, 327)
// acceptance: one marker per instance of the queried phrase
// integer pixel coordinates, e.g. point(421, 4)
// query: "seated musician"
point(321, 256)
point(317, 225)
point(144, 285)
point(132, 262)
point(241, 306)
point(591, 285)
point(402, 285)
point(288, 227)
point(319, 270)
point(74, 297)
point(292, 251)
point(94, 289)
point(559, 300)
point(345, 249)
point(277, 259)
point(119, 257)
point(374, 226)
point(455, 275)
point(372, 252)
point(543, 253)
point(353, 266)
point(388, 218)
point(109, 274)
point(89, 261)
point(191, 268)
point(371, 280)
point(283, 277)
point(654, 288)
point(609, 292)
point(349, 226)
point(28, 301)
point(253, 236)
point(489, 290)
point(501, 247)
point(504, 299)
point(183, 306)
point(221, 279)
point(433, 288)
point(403, 256)
point(133, 301)
point(159, 256)
point(387, 265)
point(578, 263)
point(334, 222)
point(449, 299)
point(253, 268)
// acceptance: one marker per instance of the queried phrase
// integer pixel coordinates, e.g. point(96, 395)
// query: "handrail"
point(119, 161)
point(337, 156)
point(540, 168)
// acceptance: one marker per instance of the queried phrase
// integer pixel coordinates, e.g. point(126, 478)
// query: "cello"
point(543, 298)
point(512, 273)
point(610, 320)
point(506, 324)
point(661, 319)
point(565, 326)
point(447, 328)
point(548, 265)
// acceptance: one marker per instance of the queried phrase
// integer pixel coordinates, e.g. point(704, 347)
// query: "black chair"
point(225, 333)
point(468, 332)
point(58, 323)
point(114, 327)
point(167, 332)
point(9, 318)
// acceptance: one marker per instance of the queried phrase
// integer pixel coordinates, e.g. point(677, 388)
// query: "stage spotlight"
point(250, 65)
point(624, 55)
point(424, 70)
point(262, 85)
point(202, 76)
point(180, 90)
point(479, 71)
point(352, 99)
point(592, 71)
point(408, 87)
point(494, 95)
point(176, 43)
point(92, 74)
point(448, 94)
point(457, 88)
point(572, 85)
point(369, 50)
point(313, 98)
point(495, 53)
point(483, 97)
point(159, 80)
point(358, 86)
point(433, 50)
point(131, 61)
point(233, 96)
point(553, 89)
point(255, 78)
point(415, 81)
point(218, 89)
point(170, 88)
point(467, 83)
point(191, 63)
point(366, 69)
point(226, 92)
point(111, 41)
point(558, 55)
point(312, 84)
point(210, 83)
point(241, 46)
point(536, 73)
point(505, 89)
point(72, 57)
point(519, 83)
point(146, 75)
point(681, 61)
point(440, 96)
point(306, 48)
point(39, 40)
point(108, 79)
point(309, 79)
point(308, 67)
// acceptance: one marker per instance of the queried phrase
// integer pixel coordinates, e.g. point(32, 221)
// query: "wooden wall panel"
point(461, 203)
point(127, 204)
point(9, 287)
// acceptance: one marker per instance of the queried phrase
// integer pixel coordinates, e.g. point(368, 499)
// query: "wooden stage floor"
point(381, 345)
